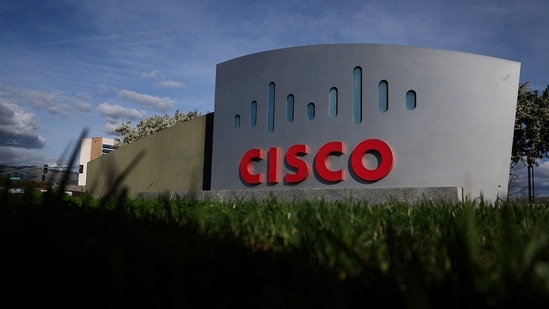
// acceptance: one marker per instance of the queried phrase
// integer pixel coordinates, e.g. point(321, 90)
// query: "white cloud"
point(162, 82)
point(50, 101)
point(114, 115)
point(150, 75)
point(58, 109)
point(18, 128)
point(110, 127)
point(81, 102)
point(83, 106)
point(56, 103)
point(170, 84)
point(102, 89)
point(145, 100)
point(118, 112)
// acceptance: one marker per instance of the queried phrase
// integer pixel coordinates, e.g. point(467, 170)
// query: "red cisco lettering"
point(294, 159)
point(384, 167)
point(254, 154)
point(274, 174)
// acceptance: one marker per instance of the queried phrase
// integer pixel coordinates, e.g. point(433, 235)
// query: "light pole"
point(531, 192)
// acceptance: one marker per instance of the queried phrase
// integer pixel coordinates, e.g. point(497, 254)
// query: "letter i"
point(273, 163)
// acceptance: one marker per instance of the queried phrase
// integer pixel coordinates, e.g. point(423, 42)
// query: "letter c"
point(321, 161)
point(246, 173)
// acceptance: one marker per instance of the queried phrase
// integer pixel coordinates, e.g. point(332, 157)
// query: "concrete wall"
point(171, 160)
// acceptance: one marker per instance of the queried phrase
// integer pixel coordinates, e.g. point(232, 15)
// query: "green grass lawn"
point(77, 252)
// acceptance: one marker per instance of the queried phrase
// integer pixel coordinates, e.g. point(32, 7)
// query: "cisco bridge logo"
point(333, 103)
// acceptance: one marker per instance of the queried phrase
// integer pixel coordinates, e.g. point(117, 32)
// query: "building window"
point(290, 108)
point(411, 100)
point(357, 95)
point(383, 96)
point(332, 103)
point(107, 148)
point(311, 111)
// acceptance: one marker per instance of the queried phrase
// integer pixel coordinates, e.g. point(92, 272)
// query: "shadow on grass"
point(73, 256)
point(87, 252)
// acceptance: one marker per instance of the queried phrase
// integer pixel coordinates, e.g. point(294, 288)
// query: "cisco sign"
point(294, 158)
point(364, 116)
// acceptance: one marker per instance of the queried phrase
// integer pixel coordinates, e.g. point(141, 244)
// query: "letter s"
point(300, 165)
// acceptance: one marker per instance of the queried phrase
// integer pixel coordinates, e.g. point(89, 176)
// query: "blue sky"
point(75, 64)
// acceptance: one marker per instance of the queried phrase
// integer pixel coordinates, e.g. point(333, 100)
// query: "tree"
point(531, 137)
point(150, 125)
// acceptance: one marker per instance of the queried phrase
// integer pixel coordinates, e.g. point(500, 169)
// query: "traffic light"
point(43, 178)
point(45, 168)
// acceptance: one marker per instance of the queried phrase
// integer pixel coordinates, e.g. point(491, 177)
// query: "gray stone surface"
point(459, 135)
point(369, 195)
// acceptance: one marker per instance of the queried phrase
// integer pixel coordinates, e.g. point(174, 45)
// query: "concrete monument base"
point(369, 195)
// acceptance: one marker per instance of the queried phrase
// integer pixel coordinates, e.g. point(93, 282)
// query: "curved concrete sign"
point(364, 116)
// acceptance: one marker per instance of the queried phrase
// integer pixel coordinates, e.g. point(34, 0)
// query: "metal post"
point(531, 192)
point(533, 187)
point(529, 184)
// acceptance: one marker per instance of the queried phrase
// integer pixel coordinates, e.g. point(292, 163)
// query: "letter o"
point(383, 169)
